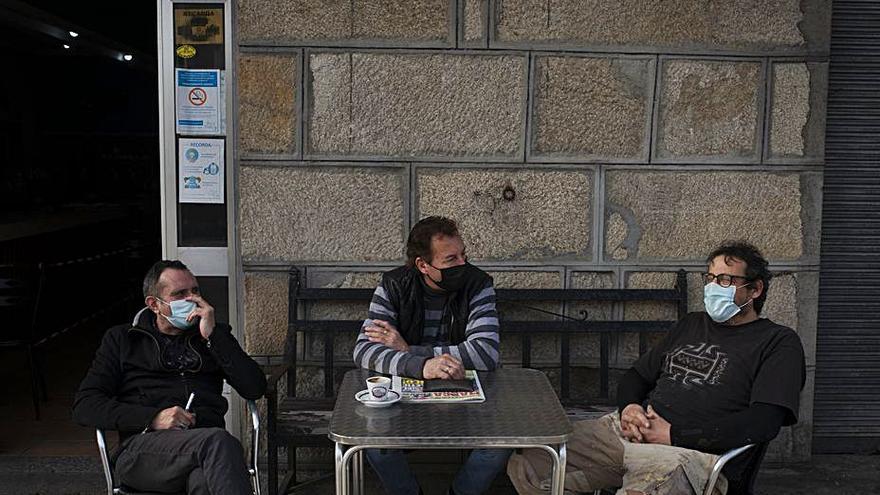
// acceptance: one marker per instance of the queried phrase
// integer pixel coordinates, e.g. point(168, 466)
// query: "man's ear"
point(153, 303)
point(421, 265)
point(757, 288)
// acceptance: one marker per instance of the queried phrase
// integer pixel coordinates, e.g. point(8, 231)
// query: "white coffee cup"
point(378, 387)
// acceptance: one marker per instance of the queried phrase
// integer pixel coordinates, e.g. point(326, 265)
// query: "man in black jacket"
point(142, 378)
point(720, 379)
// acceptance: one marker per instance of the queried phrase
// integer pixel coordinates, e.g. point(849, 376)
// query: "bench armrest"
point(275, 373)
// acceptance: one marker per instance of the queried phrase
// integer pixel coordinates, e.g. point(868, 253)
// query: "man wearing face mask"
point(720, 379)
point(142, 377)
point(433, 318)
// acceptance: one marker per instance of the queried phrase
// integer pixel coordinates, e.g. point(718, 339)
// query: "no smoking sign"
point(198, 96)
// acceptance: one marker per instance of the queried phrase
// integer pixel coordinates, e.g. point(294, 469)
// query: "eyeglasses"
point(723, 279)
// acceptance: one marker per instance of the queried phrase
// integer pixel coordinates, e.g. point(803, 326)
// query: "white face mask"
point(719, 301)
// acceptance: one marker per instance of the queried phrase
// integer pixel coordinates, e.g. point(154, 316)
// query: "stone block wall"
point(634, 135)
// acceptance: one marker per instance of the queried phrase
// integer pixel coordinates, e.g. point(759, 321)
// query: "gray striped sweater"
point(479, 351)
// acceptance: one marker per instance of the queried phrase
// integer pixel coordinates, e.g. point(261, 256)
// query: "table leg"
point(341, 480)
point(344, 483)
point(559, 471)
point(357, 473)
point(361, 472)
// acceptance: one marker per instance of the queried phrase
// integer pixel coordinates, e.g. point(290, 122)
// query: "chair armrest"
point(255, 415)
point(719, 465)
point(254, 468)
point(105, 460)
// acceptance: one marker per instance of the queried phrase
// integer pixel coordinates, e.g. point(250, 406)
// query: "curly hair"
point(756, 264)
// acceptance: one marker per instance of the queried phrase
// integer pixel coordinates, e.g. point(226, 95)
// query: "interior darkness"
point(79, 177)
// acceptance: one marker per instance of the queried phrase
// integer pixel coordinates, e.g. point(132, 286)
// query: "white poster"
point(200, 171)
point(198, 101)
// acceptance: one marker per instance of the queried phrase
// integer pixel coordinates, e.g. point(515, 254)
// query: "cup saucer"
point(366, 399)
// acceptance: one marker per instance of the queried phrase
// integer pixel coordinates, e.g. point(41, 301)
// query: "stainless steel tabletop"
point(521, 408)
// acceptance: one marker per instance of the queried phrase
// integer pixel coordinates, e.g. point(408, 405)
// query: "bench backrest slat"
point(505, 295)
point(507, 326)
point(301, 297)
point(328, 364)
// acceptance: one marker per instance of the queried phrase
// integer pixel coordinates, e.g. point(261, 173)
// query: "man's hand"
point(173, 418)
point(444, 367)
point(632, 419)
point(385, 333)
point(659, 431)
point(204, 311)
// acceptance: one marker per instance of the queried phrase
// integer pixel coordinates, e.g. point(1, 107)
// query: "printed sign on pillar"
point(198, 101)
point(200, 176)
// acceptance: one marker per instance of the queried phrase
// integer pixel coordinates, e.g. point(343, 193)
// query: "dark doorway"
point(79, 197)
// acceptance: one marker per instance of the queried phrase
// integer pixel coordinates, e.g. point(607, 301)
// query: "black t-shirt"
point(703, 371)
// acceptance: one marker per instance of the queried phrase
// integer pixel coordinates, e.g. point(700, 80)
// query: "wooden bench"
point(297, 421)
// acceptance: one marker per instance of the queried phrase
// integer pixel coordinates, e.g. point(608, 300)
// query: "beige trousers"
point(599, 458)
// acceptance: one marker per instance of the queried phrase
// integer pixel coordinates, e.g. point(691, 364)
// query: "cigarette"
point(190, 400)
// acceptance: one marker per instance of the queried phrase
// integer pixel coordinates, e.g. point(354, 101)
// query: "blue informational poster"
point(201, 168)
point(198, 101)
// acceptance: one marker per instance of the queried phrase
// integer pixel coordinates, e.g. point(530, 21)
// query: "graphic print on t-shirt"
point(696, 364)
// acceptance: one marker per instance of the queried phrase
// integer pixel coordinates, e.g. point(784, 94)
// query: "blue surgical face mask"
point(719, 301)
point(180, 309)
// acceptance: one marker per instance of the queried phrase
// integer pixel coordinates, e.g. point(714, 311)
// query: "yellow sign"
point(186, 51)
point(198, 26)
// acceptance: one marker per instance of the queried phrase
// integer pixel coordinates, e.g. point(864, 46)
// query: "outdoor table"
point(521, 411)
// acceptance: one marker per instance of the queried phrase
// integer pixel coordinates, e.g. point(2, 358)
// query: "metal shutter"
point(847, 393)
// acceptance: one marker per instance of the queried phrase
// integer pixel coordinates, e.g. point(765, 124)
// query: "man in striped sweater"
point(433, 318)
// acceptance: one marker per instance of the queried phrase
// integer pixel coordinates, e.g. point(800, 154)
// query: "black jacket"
point(405, 291)
point(127, 384)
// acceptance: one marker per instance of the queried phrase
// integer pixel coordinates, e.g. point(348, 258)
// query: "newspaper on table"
point(412, 390)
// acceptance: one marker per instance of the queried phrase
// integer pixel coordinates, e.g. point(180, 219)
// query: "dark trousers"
point(198, 461)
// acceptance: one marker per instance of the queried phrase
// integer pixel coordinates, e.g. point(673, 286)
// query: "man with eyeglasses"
point(159, 382)
point(720, 379)
point(432, 318)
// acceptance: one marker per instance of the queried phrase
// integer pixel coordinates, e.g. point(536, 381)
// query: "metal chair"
point(19, 292)
point(748, 468)
point(114, 489)
point(750, 475)
point(719, 465)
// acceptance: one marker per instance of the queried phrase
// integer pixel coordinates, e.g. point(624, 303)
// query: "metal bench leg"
point(291, 468)
point(272, 459)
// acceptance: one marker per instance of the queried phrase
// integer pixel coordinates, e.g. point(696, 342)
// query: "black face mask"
point(454, 277)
